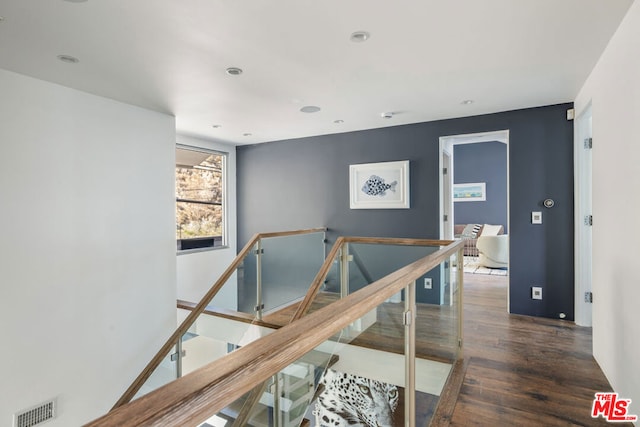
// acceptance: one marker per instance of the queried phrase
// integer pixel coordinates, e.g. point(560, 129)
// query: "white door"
point(583, 298)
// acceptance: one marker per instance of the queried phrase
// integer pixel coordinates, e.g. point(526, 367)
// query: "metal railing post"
point(259, 304)
point(344, 270)
point(179, 361)
point(410, 355)
point(277, 416)
point(460, 288)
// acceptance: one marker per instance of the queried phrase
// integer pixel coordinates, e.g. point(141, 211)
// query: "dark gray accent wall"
point(482, 162)
point(305, 183)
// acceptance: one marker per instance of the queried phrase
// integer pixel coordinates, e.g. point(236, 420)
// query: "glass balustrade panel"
point(347, 371)
point(284, 399)
point(363, 264)
point(289, 265)
point(166, 372)
point(438, 317)
point(209, 336)
point(213, 336)
point(371, 262)
point(438, 332)
point(330, 288)
point(279, 273)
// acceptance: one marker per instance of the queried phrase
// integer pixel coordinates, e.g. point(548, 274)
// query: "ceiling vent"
point(35, 416)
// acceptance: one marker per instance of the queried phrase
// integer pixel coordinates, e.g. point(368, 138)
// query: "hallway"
point(523, 371)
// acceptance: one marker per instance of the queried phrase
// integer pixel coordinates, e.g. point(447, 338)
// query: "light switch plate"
point(536, 292)
point(536, 217)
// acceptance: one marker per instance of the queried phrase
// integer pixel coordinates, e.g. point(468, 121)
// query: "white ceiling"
point(423, 59)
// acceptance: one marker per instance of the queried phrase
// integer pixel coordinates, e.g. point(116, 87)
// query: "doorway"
point(448, 217)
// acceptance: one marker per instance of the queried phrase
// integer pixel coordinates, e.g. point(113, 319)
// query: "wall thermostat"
point(548, 203)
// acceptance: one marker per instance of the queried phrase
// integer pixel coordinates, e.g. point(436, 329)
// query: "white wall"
point(198, 271)
point(614, 90)
point(87, 253)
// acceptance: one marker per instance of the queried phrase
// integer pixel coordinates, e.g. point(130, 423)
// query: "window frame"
point(223, 203)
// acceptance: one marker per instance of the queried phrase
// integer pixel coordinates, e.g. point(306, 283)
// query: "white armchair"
point(493, 251)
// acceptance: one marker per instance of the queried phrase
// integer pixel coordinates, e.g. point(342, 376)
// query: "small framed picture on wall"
point(470, 192)
point(379, 185)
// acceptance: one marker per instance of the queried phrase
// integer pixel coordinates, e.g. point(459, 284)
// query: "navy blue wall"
point(305, 183)
point(482, 162)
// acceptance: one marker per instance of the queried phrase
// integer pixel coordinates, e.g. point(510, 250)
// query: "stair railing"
point(175, 338)
point(192, 399)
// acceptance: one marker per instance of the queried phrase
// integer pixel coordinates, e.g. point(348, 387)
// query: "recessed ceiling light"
point(339, 121)
point(216, 126)
point(310, 109)
point(467, 102)
point(68, 59)
point(246, 134)
point(386, 115)
point(234, 71)
point(360, 36)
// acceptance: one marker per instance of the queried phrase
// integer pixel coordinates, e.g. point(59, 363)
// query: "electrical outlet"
point(428, 284)
point(536, 292)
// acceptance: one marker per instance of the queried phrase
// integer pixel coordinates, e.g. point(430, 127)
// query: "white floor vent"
point(36, 415)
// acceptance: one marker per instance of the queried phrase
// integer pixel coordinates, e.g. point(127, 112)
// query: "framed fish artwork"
point(379, 185)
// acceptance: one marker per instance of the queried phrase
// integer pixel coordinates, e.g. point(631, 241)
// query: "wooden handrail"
point(192, 399)
point(199, 308)
point(400, 241)
point(225, 313)
point(319, 279)
point(292, 232)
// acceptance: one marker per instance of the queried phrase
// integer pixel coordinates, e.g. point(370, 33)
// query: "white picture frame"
point(470, 192)
point(379, 185)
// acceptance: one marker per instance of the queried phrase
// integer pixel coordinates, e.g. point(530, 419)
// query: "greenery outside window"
point(199, 198)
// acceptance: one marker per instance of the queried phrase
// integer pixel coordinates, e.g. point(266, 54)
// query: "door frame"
point(446, 205)
point(446, 144)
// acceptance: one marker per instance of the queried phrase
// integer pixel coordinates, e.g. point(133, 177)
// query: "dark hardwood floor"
point(523, 371)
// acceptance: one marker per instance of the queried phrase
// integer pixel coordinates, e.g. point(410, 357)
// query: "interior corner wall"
point(482, 162)
point(87, 260)
point(198, 271)
point(613, 89)
point(304, 183)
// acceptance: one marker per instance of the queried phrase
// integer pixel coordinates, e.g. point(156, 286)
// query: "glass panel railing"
point(212, 337)
point(203, 338)
point(285, 399)
point(289, 265)
point(438, 338)
point(280, 271)
point(360, 264)
point(390, 365)
point(166, 372)
point(371, 262)
point(344, 380)
point(330, 286)
point(437, 296)
point(209, 338)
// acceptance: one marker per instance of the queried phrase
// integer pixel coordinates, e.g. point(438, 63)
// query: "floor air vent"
point(36, 415)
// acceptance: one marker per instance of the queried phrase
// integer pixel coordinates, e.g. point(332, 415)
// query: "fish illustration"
point(375, 186)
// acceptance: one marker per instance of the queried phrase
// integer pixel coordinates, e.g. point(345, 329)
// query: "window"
point(199, 198)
